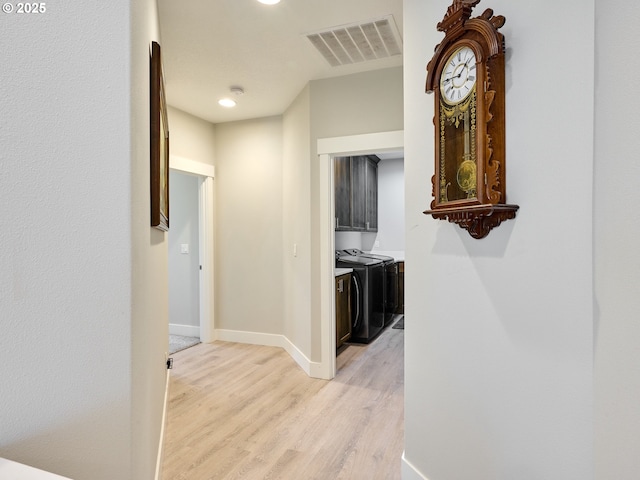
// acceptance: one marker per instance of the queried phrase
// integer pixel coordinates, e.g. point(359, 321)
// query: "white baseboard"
point(184, 330)
point(252, 338)
point(409, 472)
point(162, 427)
point(310, 368)
point(313, 369)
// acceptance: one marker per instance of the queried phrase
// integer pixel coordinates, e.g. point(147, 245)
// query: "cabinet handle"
point(341, 285)
point(367, 225)
point(337, 222)
point(356, 321)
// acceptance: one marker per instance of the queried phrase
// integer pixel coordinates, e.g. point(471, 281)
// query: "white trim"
point(327, 149)
point(158, 475)
point(206, 242)
point(327, 263)
point(185, 330)
point(191, 166)
point(252, 338)
point(15, 470)
point(359, 144)
point(271, 340)
point(409, 471)
point(309, 367)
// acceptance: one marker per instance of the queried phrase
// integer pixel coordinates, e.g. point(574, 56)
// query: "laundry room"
point(369, 246)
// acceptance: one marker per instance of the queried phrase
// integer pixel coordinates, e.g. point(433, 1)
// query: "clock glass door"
point(458, 167)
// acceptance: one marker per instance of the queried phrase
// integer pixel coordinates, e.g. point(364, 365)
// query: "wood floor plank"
point(249, 412)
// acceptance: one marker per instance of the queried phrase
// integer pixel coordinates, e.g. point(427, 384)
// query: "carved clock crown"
point(458, 12)
point(457, 21)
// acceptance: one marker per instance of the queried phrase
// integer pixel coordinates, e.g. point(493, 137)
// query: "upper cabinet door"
point(342, 180)
point(358, 193)
point(371, 213)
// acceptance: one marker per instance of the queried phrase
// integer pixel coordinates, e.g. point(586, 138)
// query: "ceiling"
point(209, 46)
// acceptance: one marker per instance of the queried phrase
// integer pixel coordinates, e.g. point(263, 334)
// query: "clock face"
point(458, 76)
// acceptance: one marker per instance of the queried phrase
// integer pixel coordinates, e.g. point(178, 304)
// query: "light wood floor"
point(249, 412)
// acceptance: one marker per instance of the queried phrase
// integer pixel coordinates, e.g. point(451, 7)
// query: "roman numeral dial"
point(458, 76)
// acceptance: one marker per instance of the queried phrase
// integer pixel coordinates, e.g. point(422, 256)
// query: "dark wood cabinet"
point(342, 181)
point(356, 193)
point(343, 309)
point(371, 208)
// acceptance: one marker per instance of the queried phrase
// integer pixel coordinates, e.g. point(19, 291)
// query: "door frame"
point(206, 174)
point(327, 149)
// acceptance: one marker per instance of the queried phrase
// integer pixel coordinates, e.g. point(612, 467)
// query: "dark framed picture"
point(159, 144)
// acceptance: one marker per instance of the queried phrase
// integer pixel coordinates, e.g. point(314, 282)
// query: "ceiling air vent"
point(358, 42)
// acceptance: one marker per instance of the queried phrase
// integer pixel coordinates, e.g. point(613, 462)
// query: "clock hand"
point(452, 77)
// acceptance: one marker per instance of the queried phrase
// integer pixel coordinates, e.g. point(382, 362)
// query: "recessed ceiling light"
point(230, 102)
point(227, 102)
point(269, 2)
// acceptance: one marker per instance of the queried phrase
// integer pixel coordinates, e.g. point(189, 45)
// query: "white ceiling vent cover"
point(358, 42)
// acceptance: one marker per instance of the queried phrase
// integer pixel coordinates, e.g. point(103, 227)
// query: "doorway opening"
point(328, 149)
point(184, 261)
point(191, 292)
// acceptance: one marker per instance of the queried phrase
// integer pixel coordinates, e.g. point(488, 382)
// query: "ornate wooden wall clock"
point(466, 75)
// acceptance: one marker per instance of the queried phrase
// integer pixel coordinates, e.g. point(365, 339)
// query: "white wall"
point(344, 240)
point(148, 322)
point(76, 368)
point(191, 137)
point(617, 258)
point(499, 331)
point(366, 102)
point(248, 237)
point(296, 201)
point(184, 270)
point(390, 207)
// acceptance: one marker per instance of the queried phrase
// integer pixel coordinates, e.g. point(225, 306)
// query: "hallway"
point(247, 411)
